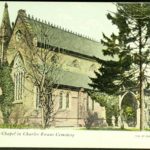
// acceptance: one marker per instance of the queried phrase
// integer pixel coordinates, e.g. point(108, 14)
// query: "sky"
point(86, 18)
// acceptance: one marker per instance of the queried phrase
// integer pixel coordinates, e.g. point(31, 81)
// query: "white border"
point(59, 138)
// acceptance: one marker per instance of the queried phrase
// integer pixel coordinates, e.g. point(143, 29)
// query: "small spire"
point(5, 32)
point(6, 5)
point(5, 19)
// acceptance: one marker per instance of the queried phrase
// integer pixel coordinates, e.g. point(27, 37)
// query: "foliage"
point(109, 102)
point(129, 114)
point(130, 71)
point(129, 108)
point(7, 87)
point(128, 50)
point(91, 119)
point(44, 72)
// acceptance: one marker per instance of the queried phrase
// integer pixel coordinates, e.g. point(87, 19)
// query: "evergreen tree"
point(7, 87)
point(129, 49)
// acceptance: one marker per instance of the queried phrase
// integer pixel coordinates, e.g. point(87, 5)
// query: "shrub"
point(7, 87)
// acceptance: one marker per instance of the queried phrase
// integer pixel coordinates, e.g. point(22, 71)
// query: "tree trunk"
point(42, 116)
point(141, 108)
point(141, 81)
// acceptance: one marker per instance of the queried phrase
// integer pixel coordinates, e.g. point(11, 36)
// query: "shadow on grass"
point(113, 129)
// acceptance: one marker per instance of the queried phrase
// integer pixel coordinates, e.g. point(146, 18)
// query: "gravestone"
point(113, 121)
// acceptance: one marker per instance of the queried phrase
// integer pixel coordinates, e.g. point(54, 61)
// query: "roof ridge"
point(61, 28)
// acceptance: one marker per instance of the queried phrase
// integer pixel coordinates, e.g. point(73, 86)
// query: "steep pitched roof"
point(64, 39)
point(68, 78)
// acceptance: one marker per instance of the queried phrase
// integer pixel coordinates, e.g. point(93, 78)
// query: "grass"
point(14, 126)
point(112, 129)
point(147, 129)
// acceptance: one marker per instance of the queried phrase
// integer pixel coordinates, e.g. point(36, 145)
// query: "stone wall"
point(73, 116)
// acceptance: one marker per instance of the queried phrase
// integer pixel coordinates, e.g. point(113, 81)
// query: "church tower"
point(5, 34)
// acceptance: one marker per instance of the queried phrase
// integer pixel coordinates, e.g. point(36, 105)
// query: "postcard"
point(74, 74)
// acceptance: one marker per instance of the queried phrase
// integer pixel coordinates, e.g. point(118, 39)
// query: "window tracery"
point(19, 78)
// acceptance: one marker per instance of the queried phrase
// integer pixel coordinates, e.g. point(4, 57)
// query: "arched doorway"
point(129, 106)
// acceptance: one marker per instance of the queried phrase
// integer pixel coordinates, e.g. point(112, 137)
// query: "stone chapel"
point(77, 53)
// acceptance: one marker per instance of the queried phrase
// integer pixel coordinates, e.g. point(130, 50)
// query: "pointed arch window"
point(35, 41)
point(67, 100)
point(92, 104)
point(92, 67)
point(75, 63)
point(55, 58)
point(19, 85)
point(18, 35)
point(19, 78)
point(61, 100)
point(87, 103)
point(37, 96)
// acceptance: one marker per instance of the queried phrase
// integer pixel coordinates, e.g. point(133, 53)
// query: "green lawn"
point(112, 129)
point(14, 126)
point(9, 126)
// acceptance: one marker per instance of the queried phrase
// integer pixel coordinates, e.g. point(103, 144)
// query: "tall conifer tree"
point(130, 51)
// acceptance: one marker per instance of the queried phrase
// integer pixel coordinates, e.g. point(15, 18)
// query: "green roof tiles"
point(74, 79)
point(63, 39)
point(72, 42)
